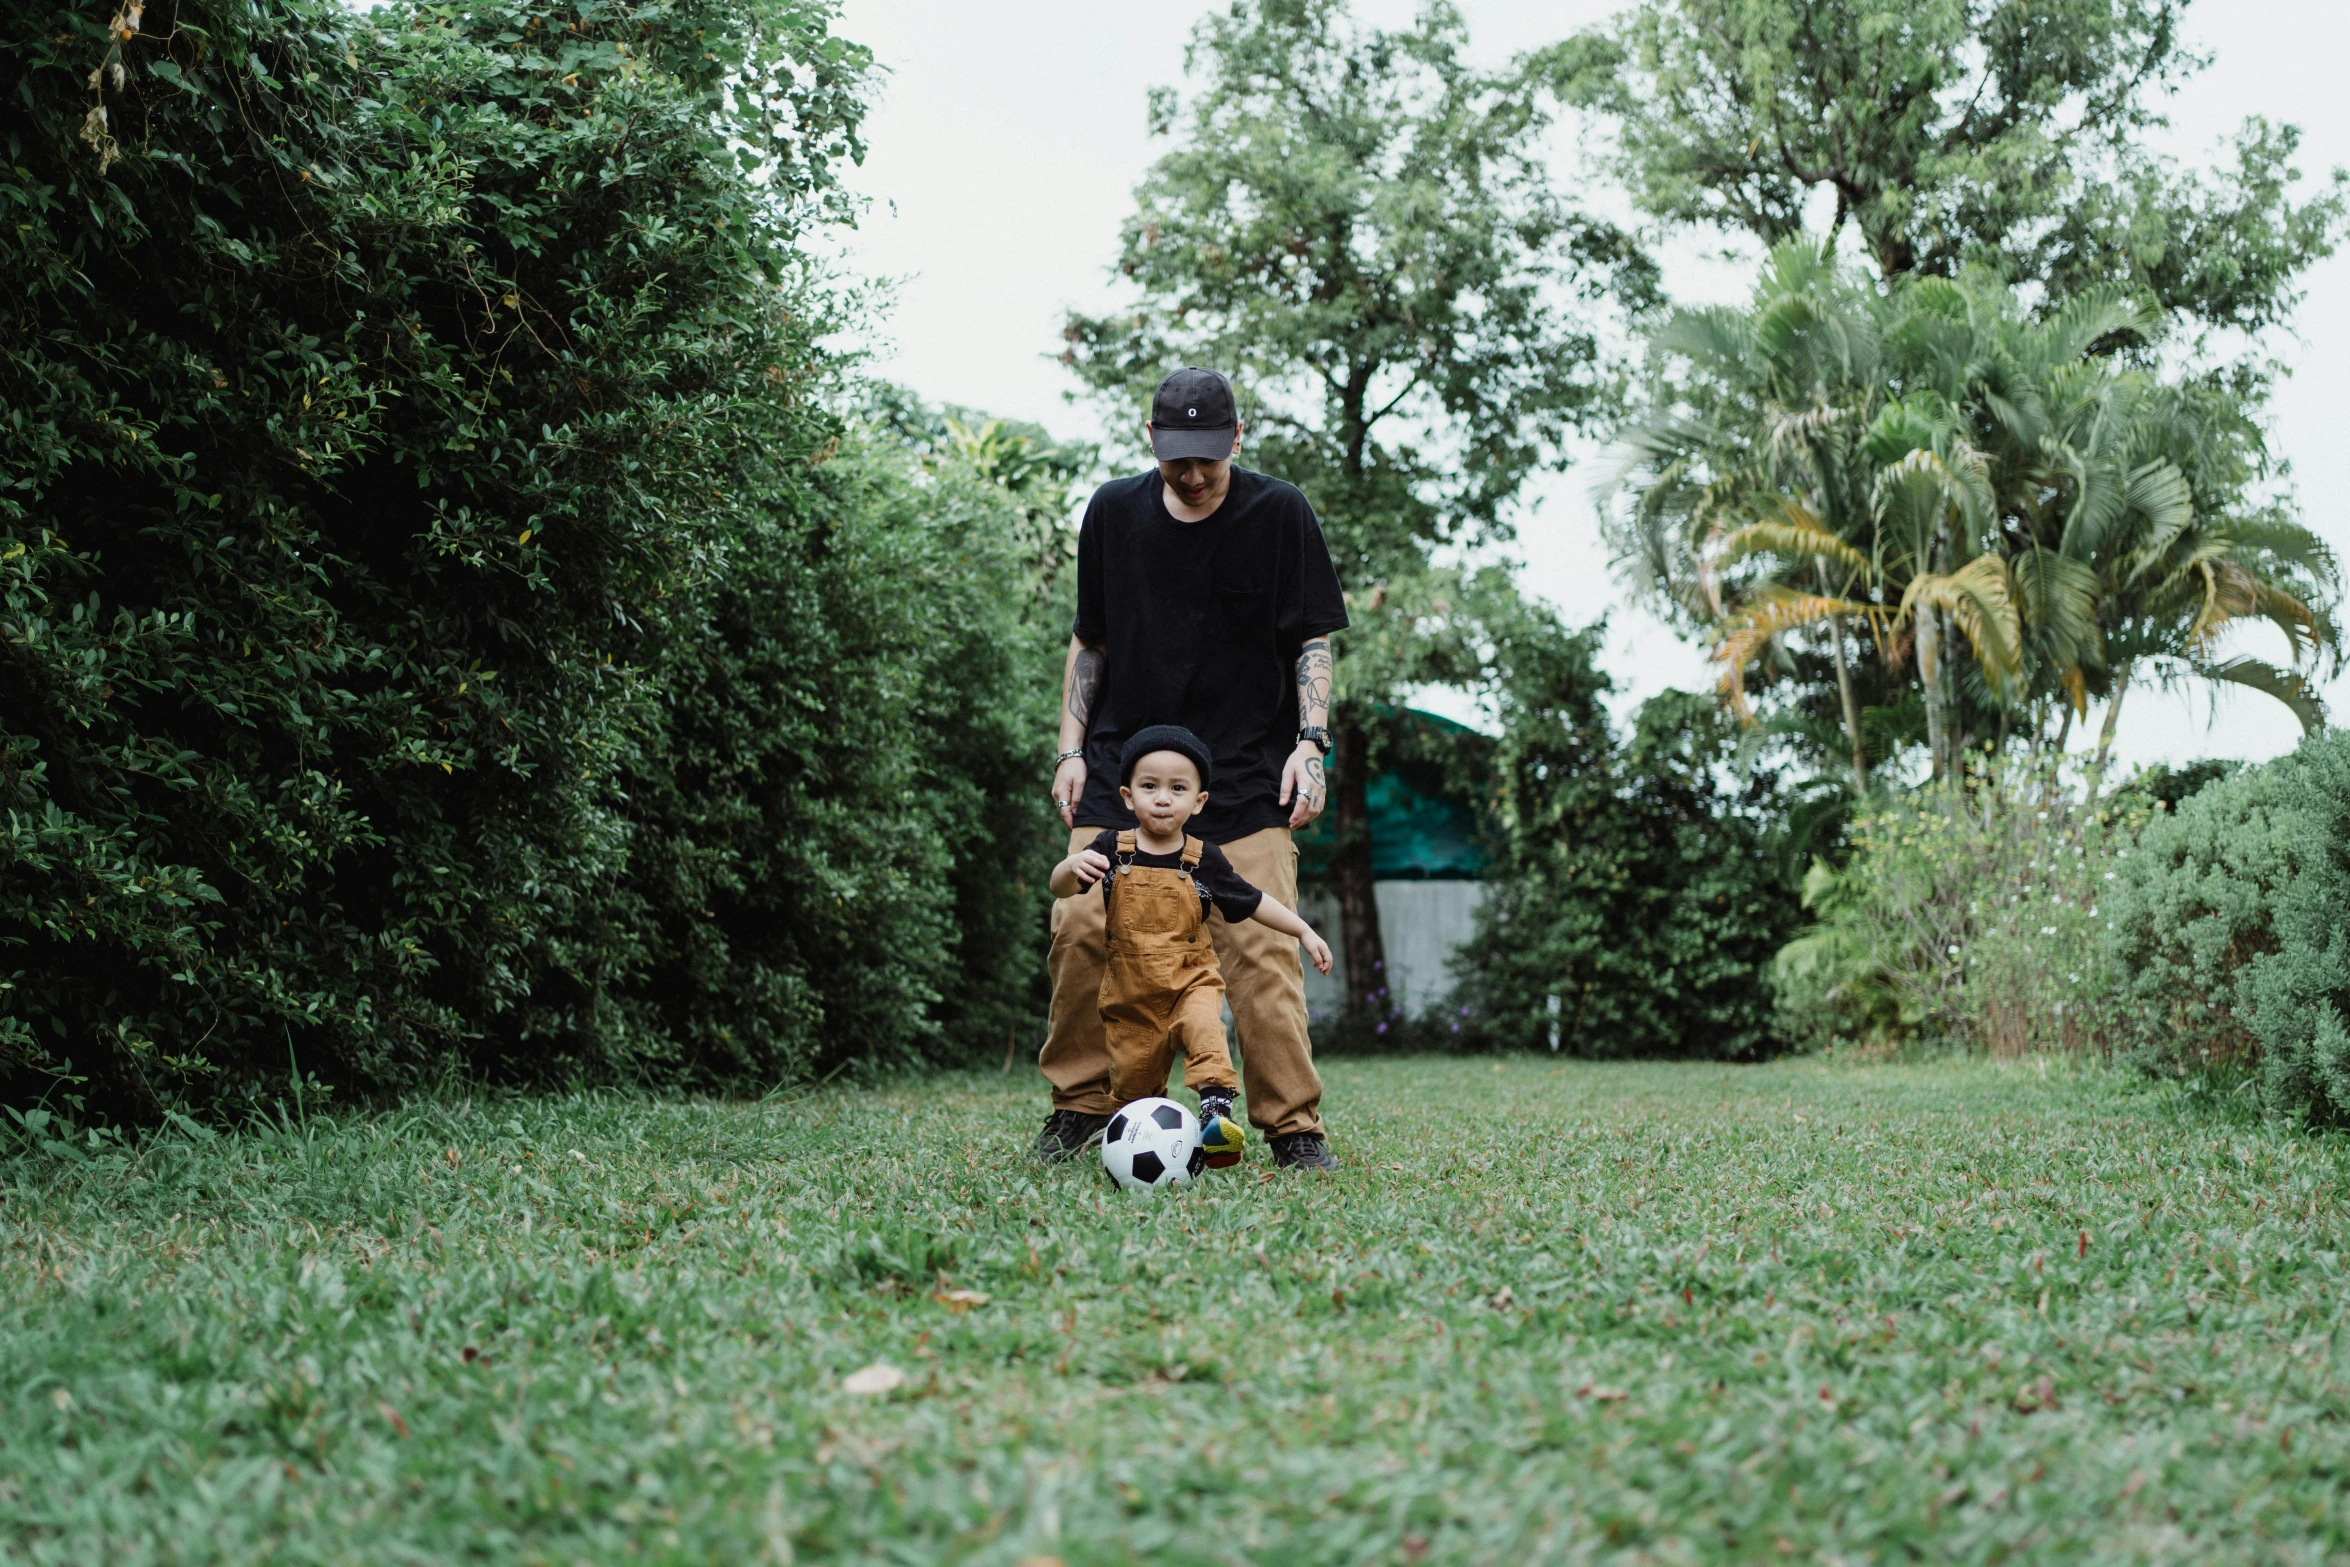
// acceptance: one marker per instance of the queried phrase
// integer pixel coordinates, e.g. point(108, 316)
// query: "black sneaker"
point(1066, 1134)
point(1302, 1151)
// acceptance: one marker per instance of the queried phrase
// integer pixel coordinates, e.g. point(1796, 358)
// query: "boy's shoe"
point(1220, 1136)
point(1302, 1151)
point(1066, 1134)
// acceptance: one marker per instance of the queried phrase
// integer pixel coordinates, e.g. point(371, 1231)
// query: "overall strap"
point(1124, 857)
point(1197, 907)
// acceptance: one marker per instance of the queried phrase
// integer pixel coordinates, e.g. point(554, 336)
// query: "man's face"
point(1197, 481)
point(1164, 792)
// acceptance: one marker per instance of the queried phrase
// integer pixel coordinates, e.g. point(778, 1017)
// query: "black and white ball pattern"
point(1152, 1143)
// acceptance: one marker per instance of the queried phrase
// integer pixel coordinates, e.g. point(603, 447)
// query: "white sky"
point(1009, 137)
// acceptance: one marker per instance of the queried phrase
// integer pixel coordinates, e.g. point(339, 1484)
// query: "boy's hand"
point(1317, 949)
point(1091, 865)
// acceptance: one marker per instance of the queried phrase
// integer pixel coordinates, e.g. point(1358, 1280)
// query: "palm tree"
point(1975, 486)
point(1786, 488)
point(2121, 498)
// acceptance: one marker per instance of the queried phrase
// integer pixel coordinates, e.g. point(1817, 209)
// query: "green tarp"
point(1420, 829)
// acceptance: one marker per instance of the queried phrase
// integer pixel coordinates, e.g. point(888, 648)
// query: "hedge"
point(2229, 918)
point(449, 622)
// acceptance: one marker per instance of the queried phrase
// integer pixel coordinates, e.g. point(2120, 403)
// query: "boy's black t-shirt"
point(1235, 898)
point(1204, 621)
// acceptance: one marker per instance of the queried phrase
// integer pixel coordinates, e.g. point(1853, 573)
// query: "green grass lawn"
point(1547, 1312)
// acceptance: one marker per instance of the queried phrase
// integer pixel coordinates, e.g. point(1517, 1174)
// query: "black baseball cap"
point(1192, 415)
point(1165, 737)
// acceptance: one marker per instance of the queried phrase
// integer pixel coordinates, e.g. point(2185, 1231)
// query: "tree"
point(2002, 133)
point(1357, 224)
point(1937, 461)
point(1637, 896)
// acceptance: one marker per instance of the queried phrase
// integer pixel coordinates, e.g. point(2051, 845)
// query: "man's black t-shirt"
point(1203, 621)
point(1234, 896)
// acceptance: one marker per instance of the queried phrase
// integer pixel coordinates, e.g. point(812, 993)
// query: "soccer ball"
point(1152, 1143)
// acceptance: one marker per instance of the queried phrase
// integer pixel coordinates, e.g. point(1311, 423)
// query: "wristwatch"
point(1068, 756)
point(1318, 735)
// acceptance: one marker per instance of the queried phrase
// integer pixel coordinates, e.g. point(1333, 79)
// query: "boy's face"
point(1164, 792)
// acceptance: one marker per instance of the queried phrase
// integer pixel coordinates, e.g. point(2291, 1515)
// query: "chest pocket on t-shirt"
point(1244, 613)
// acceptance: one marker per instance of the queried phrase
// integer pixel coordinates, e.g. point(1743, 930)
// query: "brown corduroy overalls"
point(1161, 988)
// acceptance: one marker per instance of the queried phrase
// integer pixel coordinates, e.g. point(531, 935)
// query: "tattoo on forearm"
point(1085, 682)
point(1313, 682)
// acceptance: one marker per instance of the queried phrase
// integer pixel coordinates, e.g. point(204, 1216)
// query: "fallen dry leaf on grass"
point(960, 1301)
point(876, 1378)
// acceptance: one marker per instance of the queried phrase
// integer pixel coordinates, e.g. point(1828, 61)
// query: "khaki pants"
point(1261, 975)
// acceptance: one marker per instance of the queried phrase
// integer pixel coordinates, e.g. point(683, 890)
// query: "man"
point(1205, 598)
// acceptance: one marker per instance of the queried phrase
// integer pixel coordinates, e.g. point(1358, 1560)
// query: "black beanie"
point(1164, 737)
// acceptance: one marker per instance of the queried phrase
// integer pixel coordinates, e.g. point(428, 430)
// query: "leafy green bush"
point(1829, 987)
point(2191, 910)
point(1967, 914)
point(2299, 996)
point(2192, 923)
point(1636, 898)
point(2228, 922)
point(443, 622)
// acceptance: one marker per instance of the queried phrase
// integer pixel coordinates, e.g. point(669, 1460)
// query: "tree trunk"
point(1350, 868)
point(2113, 713)
point(1930, 675)
point(1860, 755)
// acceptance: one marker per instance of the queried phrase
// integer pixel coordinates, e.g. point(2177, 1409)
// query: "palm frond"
point(2229, 593)
point(2057, 598)
point(2290, 543)
point(1795, 532)
point(2288, 614)
point(2286, 685)
point(1979, 598)
point(2158, 492)
point(1769, 615)
point(2093, 315)
point(2100, 499)
point(1714, 337)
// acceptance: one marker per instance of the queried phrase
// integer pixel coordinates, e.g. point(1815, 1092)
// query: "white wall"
point(1422, 922)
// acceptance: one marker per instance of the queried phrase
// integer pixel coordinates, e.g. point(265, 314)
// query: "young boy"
point(1161, 989)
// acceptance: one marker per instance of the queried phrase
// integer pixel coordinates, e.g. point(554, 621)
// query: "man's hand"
point(1317, 949)
point(1081, 683)
point(1069, 788)
point(1302, 788)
